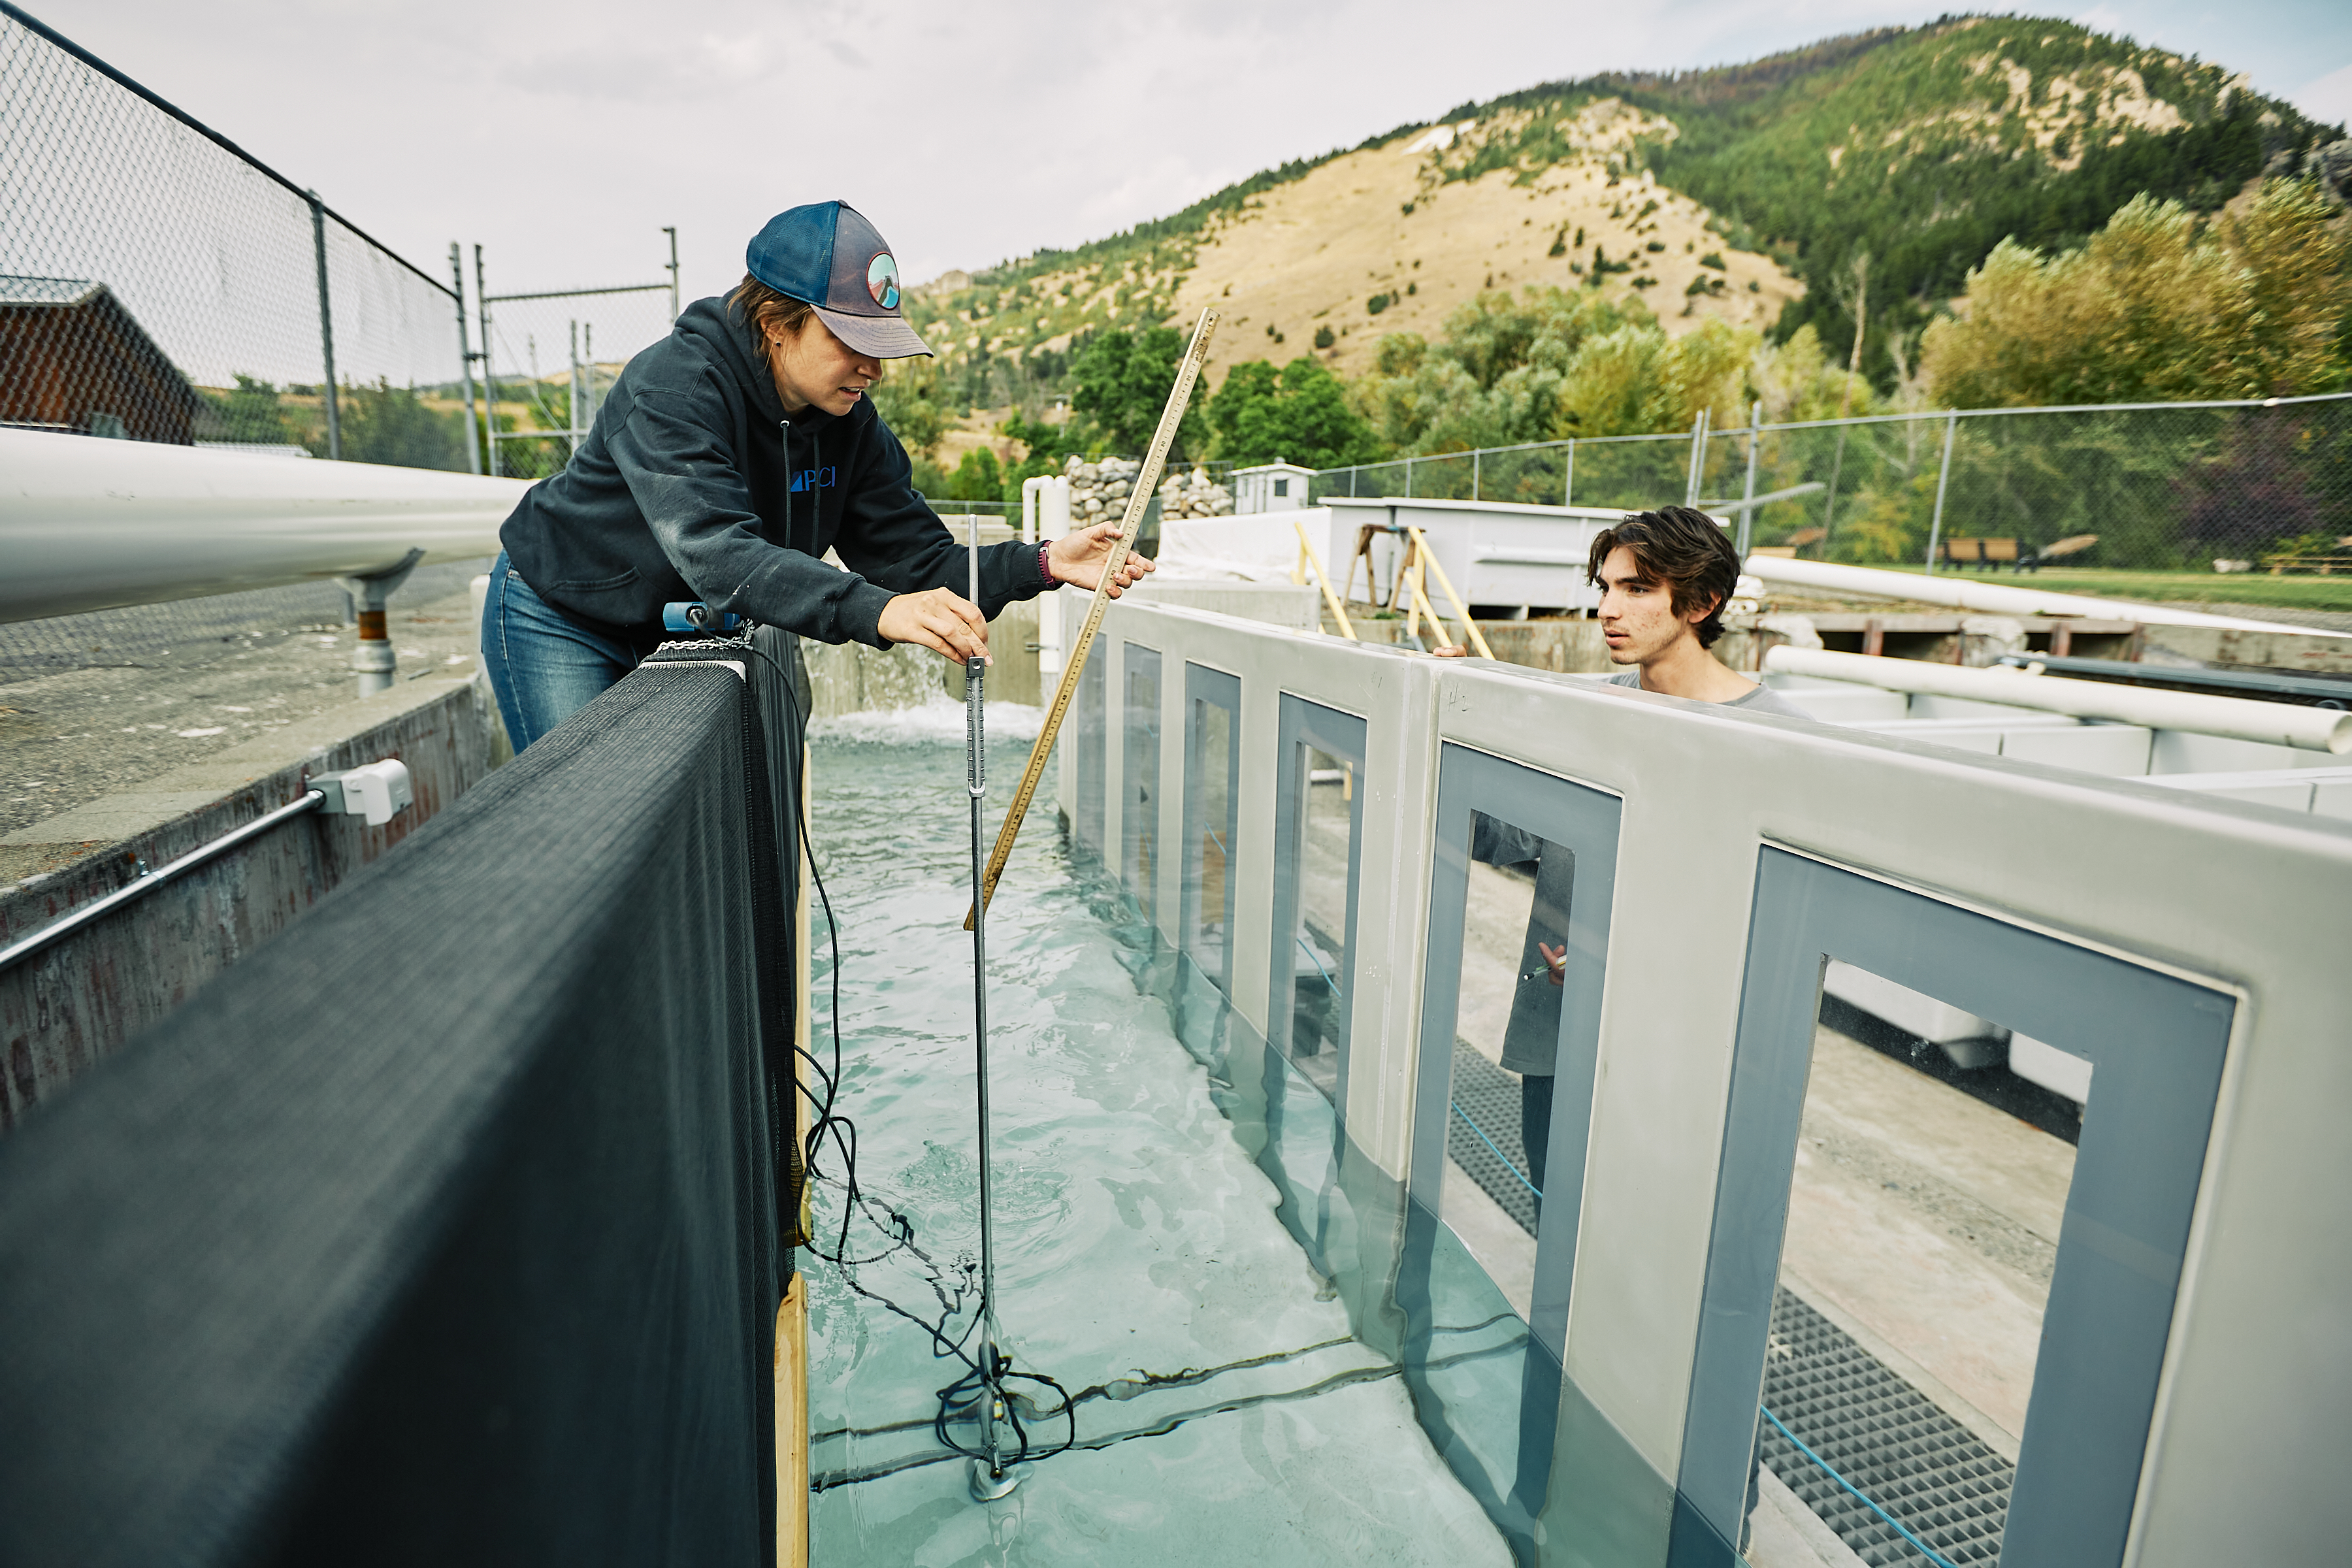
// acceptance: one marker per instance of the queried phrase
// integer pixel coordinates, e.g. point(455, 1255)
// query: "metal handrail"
point(149, 881)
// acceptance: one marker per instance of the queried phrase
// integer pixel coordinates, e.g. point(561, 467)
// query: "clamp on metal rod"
point(371, 657)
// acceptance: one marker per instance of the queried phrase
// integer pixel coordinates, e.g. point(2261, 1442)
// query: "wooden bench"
point(1983, 553)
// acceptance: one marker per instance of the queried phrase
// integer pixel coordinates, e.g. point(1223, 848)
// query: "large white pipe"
point(2273, 723)
point(89, 524)
point(1993, 598)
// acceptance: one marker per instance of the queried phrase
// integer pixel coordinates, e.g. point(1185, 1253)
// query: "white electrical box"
point(376, 792)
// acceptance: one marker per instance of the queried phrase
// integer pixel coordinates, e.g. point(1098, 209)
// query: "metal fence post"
point(1943, 478)
point(1697, 459)
point(1351, 482)
point(1475, 459)
point(672, 232)
point(466, 362)
point(1408, 478)
point(571, 393)
point(326, 326)
point(489, 379)
point(1747, 495)
point(1568, 479)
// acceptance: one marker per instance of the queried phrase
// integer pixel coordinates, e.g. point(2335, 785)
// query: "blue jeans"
point(543, 668)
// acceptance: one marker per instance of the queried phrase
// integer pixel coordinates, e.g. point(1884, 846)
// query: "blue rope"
point(1319, 966)
point(1925, 1551)
point(1503, 1157)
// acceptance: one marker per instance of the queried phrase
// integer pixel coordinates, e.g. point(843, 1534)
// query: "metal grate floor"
point(1884, 1436)
point(1491, 1097)
point(1845, 1404)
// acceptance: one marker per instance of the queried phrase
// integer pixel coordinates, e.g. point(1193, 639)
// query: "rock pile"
point(1099, 491)
point(1195, 495)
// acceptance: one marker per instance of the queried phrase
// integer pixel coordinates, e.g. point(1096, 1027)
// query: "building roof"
point(15, 290)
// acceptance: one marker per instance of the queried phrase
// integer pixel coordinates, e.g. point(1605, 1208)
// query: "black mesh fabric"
point(444, 1228)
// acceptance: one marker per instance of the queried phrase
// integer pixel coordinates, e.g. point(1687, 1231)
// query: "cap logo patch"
point(882, 280)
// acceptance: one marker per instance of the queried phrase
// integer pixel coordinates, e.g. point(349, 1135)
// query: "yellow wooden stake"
point(1477, 638)
point(1306, 564)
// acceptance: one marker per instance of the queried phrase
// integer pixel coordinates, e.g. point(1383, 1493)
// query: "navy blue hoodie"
point(680, 492)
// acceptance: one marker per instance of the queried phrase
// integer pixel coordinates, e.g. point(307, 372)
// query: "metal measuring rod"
point(991, 1477)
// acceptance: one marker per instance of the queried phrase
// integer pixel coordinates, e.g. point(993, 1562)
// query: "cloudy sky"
point(562, 136)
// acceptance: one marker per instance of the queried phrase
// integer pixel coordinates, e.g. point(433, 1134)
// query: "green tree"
point(249, 411)
point(2157, 307)
point(908, 399)
point(978, 476)
point(1300, 414)
point(391, 425)
point(1637, 380)
point(1122, 381)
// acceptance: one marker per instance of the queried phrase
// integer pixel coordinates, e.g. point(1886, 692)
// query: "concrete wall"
point(76, 1002)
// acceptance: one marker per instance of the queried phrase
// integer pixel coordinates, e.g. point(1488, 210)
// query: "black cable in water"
point(841, 1130)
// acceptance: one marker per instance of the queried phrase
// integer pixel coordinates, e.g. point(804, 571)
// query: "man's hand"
point(1450, 650)
point(1077, 558)
point(1555, 959)
point(939, 619)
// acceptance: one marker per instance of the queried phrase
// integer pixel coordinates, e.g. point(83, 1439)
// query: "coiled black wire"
point(830, 1123)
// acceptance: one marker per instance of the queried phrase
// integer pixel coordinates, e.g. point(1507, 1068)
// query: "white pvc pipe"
point(89, 524)
point(1029, 489)
point(2237, 718)
point(1994, 598)
point(1053, 521)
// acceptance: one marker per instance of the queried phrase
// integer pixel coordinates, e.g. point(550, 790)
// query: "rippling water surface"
point(1135, 1239)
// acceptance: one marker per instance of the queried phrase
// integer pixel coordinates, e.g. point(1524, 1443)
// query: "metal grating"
point(1490, 1096)
point(1886, 1437)
point(1881, 1434)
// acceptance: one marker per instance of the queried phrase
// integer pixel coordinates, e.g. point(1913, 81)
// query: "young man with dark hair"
point(1664, 577)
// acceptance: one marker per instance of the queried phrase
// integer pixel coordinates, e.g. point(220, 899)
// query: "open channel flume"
point(1778, 1278)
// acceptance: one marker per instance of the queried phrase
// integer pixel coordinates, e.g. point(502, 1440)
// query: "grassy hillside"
point(1923, 147)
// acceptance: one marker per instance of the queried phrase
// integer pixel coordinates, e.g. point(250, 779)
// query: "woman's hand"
point(939, 619)
point(1077, 558)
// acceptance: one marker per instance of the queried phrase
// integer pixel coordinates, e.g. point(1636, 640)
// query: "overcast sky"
point(562, 136)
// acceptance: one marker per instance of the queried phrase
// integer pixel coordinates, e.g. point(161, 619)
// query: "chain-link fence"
point(2248, 485)
point(159, 284)
point(552, 356)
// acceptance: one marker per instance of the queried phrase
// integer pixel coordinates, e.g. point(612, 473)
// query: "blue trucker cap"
point(829, 255)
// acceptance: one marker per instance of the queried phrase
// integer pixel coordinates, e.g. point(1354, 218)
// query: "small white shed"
point(1270, 486)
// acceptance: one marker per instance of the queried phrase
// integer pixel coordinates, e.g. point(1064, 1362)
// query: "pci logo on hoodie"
point(814, 479)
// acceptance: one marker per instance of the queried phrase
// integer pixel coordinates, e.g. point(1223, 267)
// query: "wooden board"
point(1147, 483)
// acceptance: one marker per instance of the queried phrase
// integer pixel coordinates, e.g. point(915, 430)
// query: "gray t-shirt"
point(1762, 700)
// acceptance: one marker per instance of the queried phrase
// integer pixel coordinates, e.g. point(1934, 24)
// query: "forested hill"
point(1927, 148)
point(1923, 147)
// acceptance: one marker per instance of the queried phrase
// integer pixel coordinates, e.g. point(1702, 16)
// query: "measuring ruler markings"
point(1147, 483)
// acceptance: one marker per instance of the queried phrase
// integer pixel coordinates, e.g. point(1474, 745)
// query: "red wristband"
point(1044, 562)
